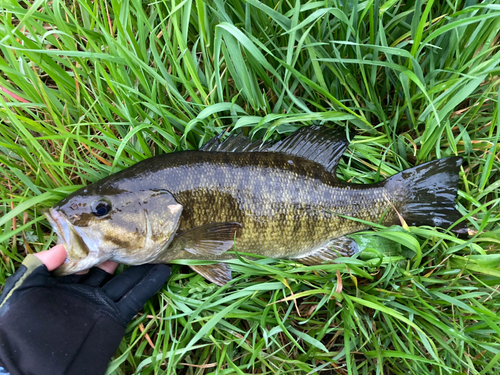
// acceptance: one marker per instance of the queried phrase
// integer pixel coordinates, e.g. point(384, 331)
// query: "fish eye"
point(101, 208)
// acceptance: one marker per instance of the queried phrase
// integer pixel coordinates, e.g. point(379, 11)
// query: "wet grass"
point(91, 87)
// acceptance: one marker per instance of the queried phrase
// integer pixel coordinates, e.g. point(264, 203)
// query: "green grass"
point(91, 87)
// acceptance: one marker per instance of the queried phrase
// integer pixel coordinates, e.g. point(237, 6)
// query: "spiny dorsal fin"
point(320, 144)
point(238, 143)
point(316, 143)
point(219, 273)
point(338, 247)
point(212, 144)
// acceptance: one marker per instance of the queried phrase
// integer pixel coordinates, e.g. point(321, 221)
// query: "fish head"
point(130, 227)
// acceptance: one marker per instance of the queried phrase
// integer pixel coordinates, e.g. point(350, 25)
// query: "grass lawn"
point(89, 87)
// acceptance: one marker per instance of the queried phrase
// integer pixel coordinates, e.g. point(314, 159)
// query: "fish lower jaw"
point(150, 255)
point(78, 257)
point(72, 266)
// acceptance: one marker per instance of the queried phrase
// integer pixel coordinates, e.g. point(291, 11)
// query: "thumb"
point(53, 258)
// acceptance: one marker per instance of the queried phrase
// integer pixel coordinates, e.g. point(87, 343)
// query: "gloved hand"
point(73, 324)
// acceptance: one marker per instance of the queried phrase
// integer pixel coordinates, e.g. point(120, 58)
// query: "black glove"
point(73, 324)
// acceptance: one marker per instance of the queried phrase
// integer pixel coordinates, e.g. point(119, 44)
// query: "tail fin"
point(428, 194)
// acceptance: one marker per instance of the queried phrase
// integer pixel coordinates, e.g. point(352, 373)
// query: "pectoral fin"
point(207, 241)
point(338, 247)
point(219, 273)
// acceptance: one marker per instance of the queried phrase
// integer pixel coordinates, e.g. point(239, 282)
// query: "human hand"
point(72, 324)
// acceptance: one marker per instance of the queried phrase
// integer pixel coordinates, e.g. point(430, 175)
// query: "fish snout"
point(79, 257)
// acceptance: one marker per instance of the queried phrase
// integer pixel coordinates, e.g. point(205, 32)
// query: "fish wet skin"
point(278, 201)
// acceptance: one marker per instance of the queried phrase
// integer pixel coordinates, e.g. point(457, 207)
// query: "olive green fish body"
point(286, 205)
point(279, 201)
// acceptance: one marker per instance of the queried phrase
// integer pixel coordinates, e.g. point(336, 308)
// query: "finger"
point(70, 279)
point(101, 274)
point(95, 277)
point(133, 287)
point(53, 258)
point(109, 266)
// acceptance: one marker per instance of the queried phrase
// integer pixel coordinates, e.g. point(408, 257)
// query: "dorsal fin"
point(316, 143)
point(212, 144)
point(238, 143)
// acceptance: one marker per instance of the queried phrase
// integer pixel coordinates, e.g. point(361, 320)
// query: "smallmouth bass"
point(278, 201)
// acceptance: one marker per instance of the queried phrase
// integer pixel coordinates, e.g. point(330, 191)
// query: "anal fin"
point(337, 247)
point(219, 273)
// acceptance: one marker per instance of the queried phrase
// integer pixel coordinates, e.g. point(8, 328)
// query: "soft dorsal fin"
point(238, 143)
point(316, 143)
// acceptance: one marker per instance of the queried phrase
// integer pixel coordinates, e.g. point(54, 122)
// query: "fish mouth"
point(60, 226)
point(78, 258)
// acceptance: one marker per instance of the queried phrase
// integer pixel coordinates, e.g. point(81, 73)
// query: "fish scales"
point(285, 205)
point(279, 201)
point(286, 223)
